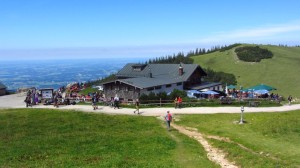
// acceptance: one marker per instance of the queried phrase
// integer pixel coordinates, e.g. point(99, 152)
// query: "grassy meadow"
point(281, 71)
point(55, 138)
point(266, 140)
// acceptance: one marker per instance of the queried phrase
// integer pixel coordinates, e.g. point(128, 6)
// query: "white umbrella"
point(210, 92)
point(261, 91)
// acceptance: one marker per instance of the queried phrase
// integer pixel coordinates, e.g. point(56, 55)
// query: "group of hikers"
point(178, 102)
point(32, 97)
point(115, 103)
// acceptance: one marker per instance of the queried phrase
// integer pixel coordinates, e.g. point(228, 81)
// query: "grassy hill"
point(266, 140)
point(54, 138)
point(281, 71)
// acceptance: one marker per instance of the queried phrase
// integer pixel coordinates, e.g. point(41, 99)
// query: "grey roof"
point(162, 74)
point(2, 86)
point(169, 71)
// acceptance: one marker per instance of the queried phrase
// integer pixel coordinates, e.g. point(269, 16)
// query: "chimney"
point(150, 73)
point(180, 70)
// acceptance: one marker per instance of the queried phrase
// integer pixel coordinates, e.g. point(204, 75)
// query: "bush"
point(177, 93)
point(222, 77)
point(253, 54)
point(163, 96)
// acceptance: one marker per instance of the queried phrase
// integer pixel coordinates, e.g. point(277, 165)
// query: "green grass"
point(273, 138)
point(281, 71)
point(55, 138)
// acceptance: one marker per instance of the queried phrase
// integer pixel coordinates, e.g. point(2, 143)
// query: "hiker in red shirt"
point(179, 102)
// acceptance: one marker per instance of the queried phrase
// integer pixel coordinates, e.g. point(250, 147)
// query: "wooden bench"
point(226, 101)
point(253, 103)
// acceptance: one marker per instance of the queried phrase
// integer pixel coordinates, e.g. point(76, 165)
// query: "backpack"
point(169, 117)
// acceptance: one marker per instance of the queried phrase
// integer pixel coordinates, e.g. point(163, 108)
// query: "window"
point(130, 88)
point(179, 83)
point(137, 69)
point(169, 85)
point(157, 87)
point(150, 89)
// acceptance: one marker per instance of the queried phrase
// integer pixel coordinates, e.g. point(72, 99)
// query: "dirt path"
point(17, 101)
point(213, 154)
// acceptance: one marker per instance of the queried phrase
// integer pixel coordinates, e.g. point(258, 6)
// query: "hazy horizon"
point(56, 73)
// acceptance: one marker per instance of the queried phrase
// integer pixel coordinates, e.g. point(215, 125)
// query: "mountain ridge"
point(281, 71)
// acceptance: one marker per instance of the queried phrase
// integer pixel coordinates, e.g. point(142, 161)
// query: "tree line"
point(185, 58)
point(199, 51)
point(171, 59)
point(180, 57)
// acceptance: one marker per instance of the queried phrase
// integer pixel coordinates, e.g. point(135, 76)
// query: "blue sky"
point(140, 28)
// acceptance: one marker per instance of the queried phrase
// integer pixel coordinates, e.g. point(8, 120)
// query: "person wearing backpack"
point(94, 102)
point(168, 119)
point(290, 98)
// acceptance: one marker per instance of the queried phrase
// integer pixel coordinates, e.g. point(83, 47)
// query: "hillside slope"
point(281, 71)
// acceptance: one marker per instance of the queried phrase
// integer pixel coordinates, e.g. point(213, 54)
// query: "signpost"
point(47, 93)
point(242, 111)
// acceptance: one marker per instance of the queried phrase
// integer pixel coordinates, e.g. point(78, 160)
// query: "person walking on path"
point(28, 101)
point(56, 101)
point(168, 119)
point(94, 101)
point(116, 102)
point(290, 98)
point(176, 102)
point(179, 99)
point(36, 100)
point(137, 106)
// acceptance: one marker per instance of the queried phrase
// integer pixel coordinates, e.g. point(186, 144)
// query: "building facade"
point(133, 80)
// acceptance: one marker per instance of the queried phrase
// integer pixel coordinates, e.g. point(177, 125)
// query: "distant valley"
point(56, 73)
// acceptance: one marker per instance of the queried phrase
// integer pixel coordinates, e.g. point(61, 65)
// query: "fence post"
point(160, 102)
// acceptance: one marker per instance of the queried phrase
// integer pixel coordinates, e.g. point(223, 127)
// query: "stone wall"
point(2, 92)
point(124, 92)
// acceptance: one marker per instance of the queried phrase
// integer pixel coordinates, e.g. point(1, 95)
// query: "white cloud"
point(278, 32)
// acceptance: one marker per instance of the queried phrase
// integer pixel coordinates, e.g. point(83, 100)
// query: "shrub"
point(163, 96)
point(224, 78)
point(253, 54)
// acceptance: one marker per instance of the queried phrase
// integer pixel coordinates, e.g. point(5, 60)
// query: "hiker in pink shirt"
point(168, 119)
